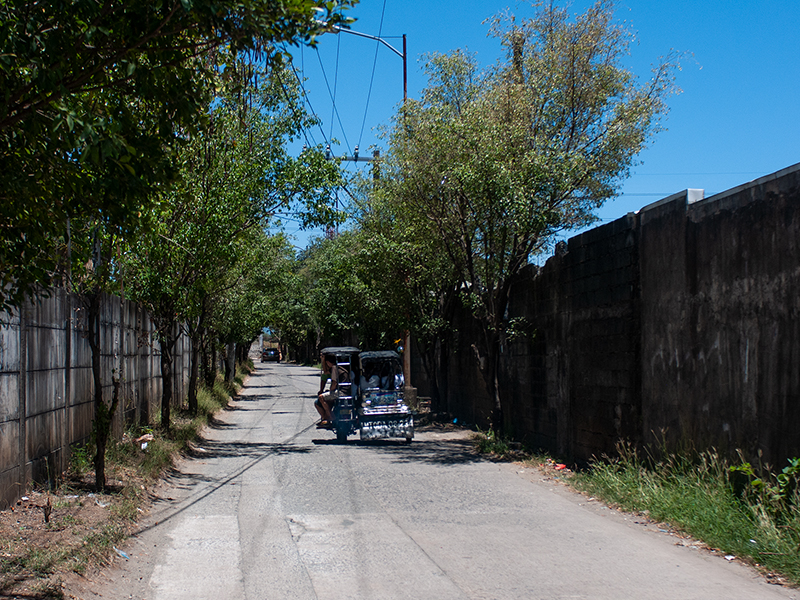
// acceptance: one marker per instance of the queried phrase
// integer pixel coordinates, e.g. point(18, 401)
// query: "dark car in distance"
point(268, 354)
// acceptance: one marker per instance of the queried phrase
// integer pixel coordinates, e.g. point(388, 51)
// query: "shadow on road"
point(435, 452)
point(306, 370)
point(257, 387)
point(211, 450)
point(449, 452)
point(208, 450)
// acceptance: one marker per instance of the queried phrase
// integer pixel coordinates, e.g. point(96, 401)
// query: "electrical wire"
point(333, 100)
point(294, 111)
point(335, 79)
point(308, 101)
point(372, 77)
point(303, 89)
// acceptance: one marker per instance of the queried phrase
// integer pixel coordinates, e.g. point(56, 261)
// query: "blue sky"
point(735, 120)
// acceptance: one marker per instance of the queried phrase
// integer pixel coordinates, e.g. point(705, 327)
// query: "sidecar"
point(382, 410)
point(369, 398)
point(345, 397)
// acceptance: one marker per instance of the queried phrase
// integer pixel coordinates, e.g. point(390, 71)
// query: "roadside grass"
point(743, 511)
point(728, 507)
point(488, 442)
point(502, 448)
point(85, 528)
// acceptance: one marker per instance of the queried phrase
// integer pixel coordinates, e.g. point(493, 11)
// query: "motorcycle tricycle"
point(369, 397)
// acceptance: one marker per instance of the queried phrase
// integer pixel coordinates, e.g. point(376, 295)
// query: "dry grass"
point(84, 527)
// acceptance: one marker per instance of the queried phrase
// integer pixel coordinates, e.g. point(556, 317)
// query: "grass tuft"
point(489, 442)
point(697, 495)
point(27, 567)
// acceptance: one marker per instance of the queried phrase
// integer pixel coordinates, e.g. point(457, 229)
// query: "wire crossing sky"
point(736, 119)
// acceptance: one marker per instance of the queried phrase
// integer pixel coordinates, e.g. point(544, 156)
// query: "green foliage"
point(80, 459)
point(490, 164)
point(98, 98)
point(203, 259)
point(490, 442)
point(204, 245)
point(700, 495)
point(775, 491)
point(348, 289)
point(287, 301)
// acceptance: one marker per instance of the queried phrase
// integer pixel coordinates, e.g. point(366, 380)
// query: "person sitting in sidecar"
point(326, 400)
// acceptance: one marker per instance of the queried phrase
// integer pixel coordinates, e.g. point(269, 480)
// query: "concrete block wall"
point(10, 422)
point(573, 385)
point(720, 283)
point(678, 324)
point(46, 384)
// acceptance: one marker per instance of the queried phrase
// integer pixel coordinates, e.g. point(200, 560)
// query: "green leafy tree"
point(242, 310)
point(103, 94)
point(92, 274)
point(346, 288)
point(414, 282)
point(236, 172)
point(494, 163)
point(288, 312)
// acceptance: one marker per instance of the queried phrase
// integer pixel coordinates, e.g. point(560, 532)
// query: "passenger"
point(369, 380)
point(324, 402)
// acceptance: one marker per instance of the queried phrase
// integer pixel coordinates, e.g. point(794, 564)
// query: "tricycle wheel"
point(341, 436)
point(408, 439)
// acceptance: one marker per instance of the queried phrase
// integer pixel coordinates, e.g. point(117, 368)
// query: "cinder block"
point(45, 391)
point(42, 433)
point(45, 348)
point(10, 489)
point(9, 444)
point(80, 422)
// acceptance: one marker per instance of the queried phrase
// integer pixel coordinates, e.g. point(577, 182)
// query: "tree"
point(348, 294)
point(235, 173)
point(105, 93)
point(90, 276)
point(411, 280)
point(288, 311)
point(492, 164)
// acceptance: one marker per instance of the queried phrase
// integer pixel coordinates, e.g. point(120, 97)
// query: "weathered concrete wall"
point(573, 386)
point(679, 323)
point(46, 385)
point(720, 283)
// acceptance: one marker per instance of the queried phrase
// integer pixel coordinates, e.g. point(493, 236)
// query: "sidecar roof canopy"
point(340, 350)
point(379, 355)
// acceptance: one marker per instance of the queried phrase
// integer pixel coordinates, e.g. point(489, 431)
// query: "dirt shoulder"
point(48, 535)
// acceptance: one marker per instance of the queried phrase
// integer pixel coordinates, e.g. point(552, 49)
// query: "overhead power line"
point(372, 77)
point(335, 110)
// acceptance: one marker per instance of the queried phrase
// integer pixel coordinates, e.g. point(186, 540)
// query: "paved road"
point(274, 508)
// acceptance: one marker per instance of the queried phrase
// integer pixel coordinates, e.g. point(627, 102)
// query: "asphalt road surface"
point(274, 508)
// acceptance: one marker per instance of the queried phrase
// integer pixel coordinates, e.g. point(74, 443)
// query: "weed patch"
point(705, 497)
point(84, 526)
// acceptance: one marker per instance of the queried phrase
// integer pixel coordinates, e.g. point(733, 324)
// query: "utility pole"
point(409, 390)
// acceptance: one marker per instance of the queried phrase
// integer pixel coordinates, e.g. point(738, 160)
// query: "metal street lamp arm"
point(337, 29)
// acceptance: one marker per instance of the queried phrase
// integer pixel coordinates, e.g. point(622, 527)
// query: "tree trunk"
point(497, 418)
point(434, 361)
point(494, 324)
point(103, 414)
point(194, 374)
point(167, 341)
point(209, 359)
point(101, 423)
point(442, 370)
point(230, 362)
point(489, 365)
point(195, 336)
